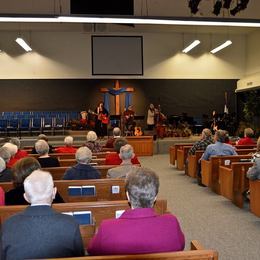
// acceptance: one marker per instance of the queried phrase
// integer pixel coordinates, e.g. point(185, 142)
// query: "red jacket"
point(246, 141)
point(113, 159)
point(65, 149)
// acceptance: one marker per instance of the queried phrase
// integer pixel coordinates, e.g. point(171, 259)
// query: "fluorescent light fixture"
point(191, 46)
point(134, 20)
point(23, 44)
point(222, 46)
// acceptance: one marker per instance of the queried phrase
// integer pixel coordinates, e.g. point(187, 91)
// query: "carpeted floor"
point(206, 216)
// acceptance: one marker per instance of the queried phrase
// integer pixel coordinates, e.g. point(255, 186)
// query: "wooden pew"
point(62, 156)
point(196, 252)
point(246, 151)
point(193, 163)
point(100, 209)
point(103, 189)
point(182, 154)
point(173, 151)
point(210, 169)
point(71, 162)
point(254, 187)
point(233, 181)
point(58, 172)
point(248, 146)
point(143, 145)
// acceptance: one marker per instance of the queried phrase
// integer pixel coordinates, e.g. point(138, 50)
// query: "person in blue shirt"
point(219, 147)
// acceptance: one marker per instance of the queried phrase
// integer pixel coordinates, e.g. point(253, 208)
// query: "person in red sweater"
point(114, 158)
point(12, 150)
point(247, 140)
point(68, 148)
point(20, 153)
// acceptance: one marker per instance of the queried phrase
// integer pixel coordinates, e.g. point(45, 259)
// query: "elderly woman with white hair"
point(82, 170)
point(45, 138)
point(20, 153)
point(92, 143)
point(68, 146)
point(12, 148)
point(42, 148)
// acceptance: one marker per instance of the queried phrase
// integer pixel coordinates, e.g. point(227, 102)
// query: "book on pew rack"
point(82, 217)
point(89, 190)
point(118, 213)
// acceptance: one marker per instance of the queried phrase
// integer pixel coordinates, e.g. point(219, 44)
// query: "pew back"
point(103, 189)
point(255, 197)
point(100, 209)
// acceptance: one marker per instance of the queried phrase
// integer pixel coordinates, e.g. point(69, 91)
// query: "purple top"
point(138, 231)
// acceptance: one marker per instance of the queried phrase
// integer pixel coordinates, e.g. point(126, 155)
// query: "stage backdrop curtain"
point(106, 101)
point(128, 99)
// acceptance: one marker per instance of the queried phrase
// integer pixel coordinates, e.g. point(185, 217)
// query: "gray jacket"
point(253, 172)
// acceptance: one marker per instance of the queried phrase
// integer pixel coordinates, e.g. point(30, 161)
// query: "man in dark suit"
point(39, 231)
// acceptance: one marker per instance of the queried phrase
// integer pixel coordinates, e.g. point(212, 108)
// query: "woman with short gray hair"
point(42, 148)
point(92, 143)
point(140, 229)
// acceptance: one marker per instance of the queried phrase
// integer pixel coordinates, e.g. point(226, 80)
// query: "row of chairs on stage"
point(18, 123)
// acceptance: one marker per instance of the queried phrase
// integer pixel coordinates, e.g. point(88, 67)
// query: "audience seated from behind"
point(42, 148)
point(219, 147)
point(22, 169)
point(68, 147)
point(12, 148)
point(139, 229)
point(82, 170)
point(20, 153)
point(45, 138)
point(126, 154)
point(111, 140)
point(5, 173)
point(247, 139)
point(92, 143)
point(257, 153)
point(113, 158)
point(206, 139)
point(39, 231)
point(5, 154)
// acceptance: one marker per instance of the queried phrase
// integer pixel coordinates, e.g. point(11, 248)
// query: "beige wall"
point(68, 55)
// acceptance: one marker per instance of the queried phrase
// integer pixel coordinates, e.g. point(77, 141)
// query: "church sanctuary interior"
point(161, 71)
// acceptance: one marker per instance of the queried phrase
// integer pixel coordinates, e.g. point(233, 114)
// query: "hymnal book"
point(83, 217)
point(119, 213)
point(75, 190)
point(88, 190)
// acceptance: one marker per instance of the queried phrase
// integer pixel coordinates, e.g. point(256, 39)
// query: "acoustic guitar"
point(104, 118)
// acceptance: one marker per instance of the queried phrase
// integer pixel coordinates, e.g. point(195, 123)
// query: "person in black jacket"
point(39, 231)
point(82, 170)
point(42, 148)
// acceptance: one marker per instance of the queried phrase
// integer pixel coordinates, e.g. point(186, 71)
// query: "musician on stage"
point(83, 120)
point(151, 117)
point(102, 120)
point(128, 116)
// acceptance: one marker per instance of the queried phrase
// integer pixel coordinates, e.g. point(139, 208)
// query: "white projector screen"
point(117, 55)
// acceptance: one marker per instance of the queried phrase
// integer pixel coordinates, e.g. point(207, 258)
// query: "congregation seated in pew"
point(113, 157)
point(22, 169)
point(68, 146)
point(39, 231)
point(12, 148)
point(82, 170)
point(45, 138)
point(45, 160)
point(111, 140)
point(126, 154)
point(247, 139)
point(139, 229)
point(92, 142)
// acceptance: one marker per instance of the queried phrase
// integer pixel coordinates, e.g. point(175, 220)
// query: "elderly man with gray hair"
point(82, 170)
point(111, 140)
point(38, 231)
point(126, 154)
point(139, 229)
